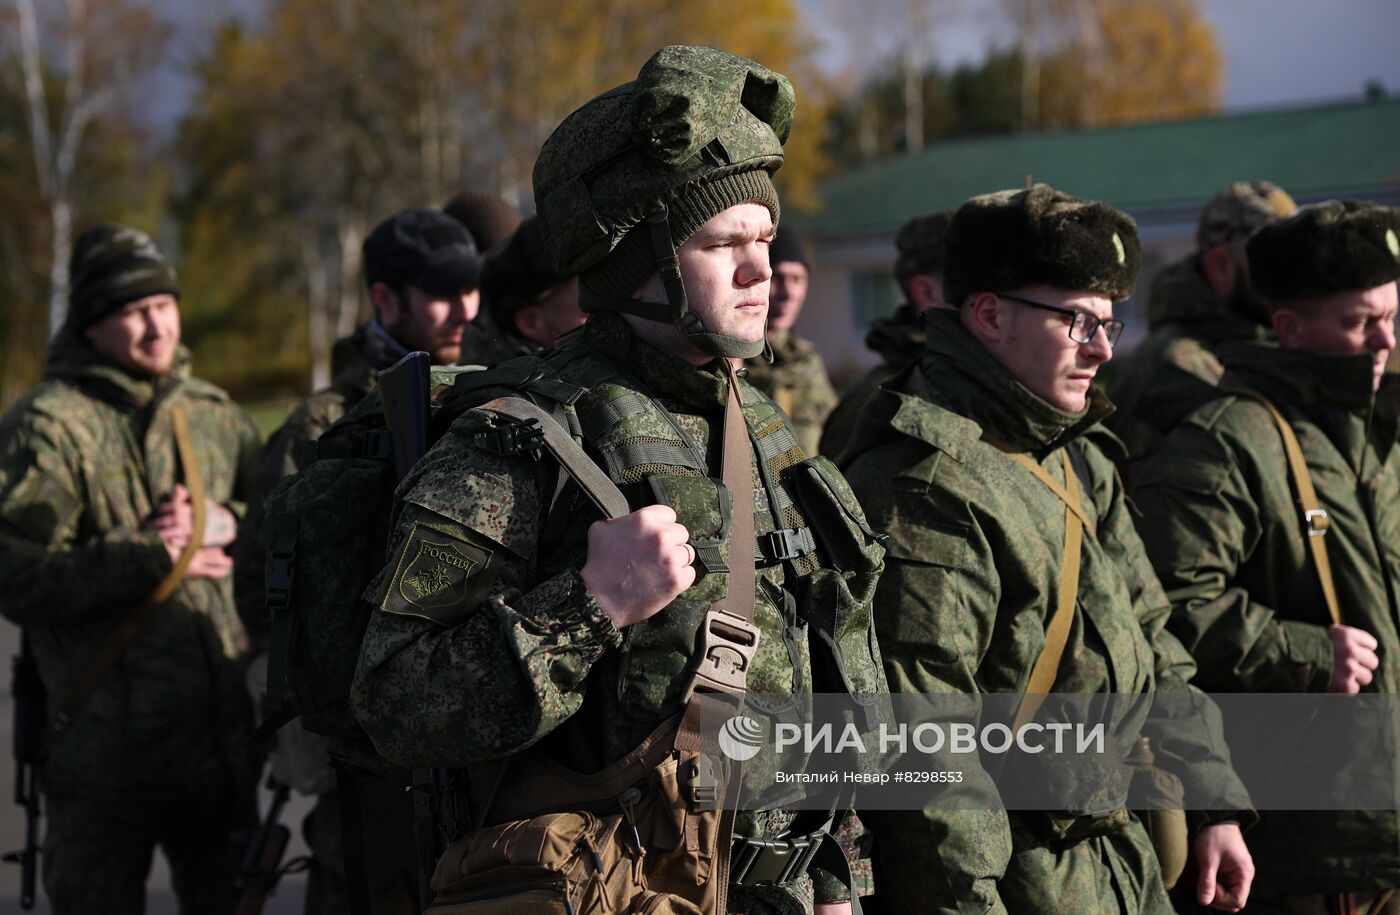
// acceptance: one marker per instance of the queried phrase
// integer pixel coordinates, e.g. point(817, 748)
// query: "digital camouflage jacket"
point(504, 648)
point(1174, 369)
point(899, 340)
point(1222, 526)
point(973, 568)
point(798, 383)
point(84, 460)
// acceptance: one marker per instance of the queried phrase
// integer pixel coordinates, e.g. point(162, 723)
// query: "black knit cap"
point(423, 248)
point(489, 218)
point(787, 247)
point(112, 265)
point(1003, 241)
point(1330, 247)
point(518, 272)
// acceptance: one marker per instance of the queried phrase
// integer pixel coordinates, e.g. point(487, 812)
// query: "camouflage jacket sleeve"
point(49, 541)
point(935, 610)
point(481, 643)
point(1201, 524)
point(1186, 729)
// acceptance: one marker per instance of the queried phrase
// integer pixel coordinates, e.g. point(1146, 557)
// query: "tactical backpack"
point(326, 532)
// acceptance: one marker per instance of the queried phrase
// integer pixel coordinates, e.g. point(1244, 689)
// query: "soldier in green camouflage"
point(526, 306)
point(93, 514)
point(796, 378)
point(1223, 527)
point(554, 629)
point(1196, 306)
point(422, 271)
point(978, 545)
point(898, 339)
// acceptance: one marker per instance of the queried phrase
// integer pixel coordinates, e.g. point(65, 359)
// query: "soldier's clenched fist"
point(1354, 659)
point(638, 564)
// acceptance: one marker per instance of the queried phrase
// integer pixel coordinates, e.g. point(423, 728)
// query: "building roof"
point(1320, 151)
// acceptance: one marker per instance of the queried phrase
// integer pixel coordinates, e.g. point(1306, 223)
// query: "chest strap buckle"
point(728, 648)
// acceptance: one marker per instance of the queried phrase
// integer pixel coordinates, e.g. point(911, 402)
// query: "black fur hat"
point(1325, 248)
point(1002, 241)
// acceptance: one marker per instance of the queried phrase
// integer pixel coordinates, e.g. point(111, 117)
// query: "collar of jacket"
point(667, 376)
point(899, 339)
point(965, 378)
point(1181, 296)
point(357, 359)
point(73, 360)
point(787, 346)
point(1332, 391)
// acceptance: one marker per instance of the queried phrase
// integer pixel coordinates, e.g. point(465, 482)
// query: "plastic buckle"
point(279, 583)
point(513, 438)
point(765, 862)
point(784, 545)
point(1316, 521)
point(730, 644)
point(701, 783)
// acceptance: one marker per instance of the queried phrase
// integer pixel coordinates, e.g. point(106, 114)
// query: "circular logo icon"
point(741, 738)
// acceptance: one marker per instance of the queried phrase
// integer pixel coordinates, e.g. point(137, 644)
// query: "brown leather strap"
point(728, 637)
point(576, 463)
point(107, 655)
point(1047, 665)
point(1315, 518)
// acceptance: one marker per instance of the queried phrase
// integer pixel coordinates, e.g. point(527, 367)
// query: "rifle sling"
point(1315, 517)
point(1047, 665)
point(112, 648)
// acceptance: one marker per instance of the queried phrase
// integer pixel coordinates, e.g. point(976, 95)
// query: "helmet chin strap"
point(677, 308)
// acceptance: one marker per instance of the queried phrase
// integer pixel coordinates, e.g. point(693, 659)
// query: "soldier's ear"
point(1287, 325)
point(987, 316)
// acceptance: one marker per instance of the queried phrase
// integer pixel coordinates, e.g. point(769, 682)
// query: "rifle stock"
point(261, 868)
point(30, 724)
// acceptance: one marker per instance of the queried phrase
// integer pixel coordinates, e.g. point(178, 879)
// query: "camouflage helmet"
point(629, 176)
point(1240, 208)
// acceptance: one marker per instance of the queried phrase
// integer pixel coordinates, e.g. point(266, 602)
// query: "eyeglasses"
point(1084, 326)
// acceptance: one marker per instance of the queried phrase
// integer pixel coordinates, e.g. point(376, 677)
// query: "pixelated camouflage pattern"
point(797, 381)
point(692, 113)
point(1176, 367)
point(899, 340)
point(540, 645)
point(84, 460)
point(1221, 524)
point(973, 565)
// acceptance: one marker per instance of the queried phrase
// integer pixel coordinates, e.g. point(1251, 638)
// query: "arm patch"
point(439, 577)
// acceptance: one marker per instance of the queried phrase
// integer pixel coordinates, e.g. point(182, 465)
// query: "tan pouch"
point(632, 845)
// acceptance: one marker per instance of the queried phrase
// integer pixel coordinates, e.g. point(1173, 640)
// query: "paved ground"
point(160, 901)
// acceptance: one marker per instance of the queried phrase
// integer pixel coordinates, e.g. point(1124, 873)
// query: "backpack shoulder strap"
point(576, 463)
point(1315, 518)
